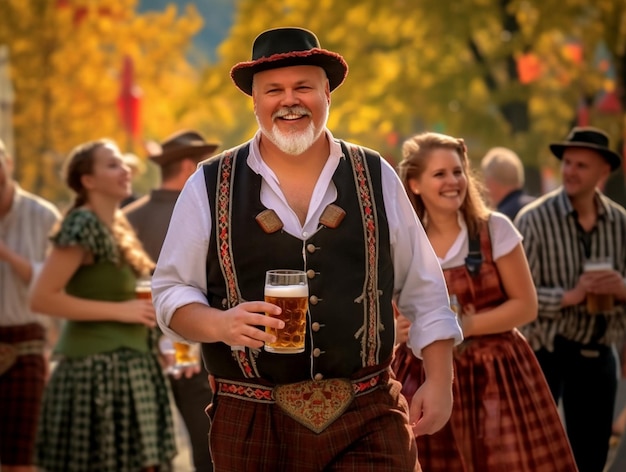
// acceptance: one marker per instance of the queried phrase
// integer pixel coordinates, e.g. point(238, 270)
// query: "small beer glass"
point(179, 354)
point(596, 302)
point(143, 288)
point(288, 289)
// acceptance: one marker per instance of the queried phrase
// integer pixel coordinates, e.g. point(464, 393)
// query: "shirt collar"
point(600, 200)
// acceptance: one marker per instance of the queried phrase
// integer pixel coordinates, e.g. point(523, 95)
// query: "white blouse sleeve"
point(504, 235)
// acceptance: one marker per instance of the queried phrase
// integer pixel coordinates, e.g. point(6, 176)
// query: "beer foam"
point(593, 266)
point(287, 291)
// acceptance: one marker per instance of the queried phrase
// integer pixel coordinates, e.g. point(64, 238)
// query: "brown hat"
point(284, 47)
point(589, 138)
point(180, 145)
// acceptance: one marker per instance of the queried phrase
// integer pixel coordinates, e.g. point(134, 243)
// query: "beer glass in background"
point(288, 289)
point(185, 354)
point(179, 354)
point(143, 288)
point(597, 302)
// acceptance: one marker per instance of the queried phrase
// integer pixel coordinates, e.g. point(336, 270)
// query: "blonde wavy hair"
point(415, 153)
point(81, 162)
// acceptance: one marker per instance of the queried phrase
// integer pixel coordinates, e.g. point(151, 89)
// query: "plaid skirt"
point(109, 412)
point(503, 419)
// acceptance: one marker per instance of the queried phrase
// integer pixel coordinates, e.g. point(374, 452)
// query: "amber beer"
point(599, 302)
point(289, 291)
point(143, 289)
point(185, 354)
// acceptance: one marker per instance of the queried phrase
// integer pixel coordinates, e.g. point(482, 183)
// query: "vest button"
point(224, 303)
point(313, 300)
point(318, 377)
point(310, 274)
point(310, 248)
point(315, 326)
point(317, 352)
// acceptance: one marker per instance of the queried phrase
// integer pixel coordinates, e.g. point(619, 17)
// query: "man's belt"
point(315, 404)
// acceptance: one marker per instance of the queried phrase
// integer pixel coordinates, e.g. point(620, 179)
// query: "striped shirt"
point(556, 250)
point(25, 230)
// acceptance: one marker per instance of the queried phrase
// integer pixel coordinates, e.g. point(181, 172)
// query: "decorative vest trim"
point(350, 327)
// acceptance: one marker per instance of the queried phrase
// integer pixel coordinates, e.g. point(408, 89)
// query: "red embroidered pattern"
point(315, 404)
point(371, 238)
point(264, 394)
point(253, 392)
point(223, 223)
point(225, 255)
point(365, 385)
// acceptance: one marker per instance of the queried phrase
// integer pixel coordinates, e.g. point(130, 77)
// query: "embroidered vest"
point(350, 328)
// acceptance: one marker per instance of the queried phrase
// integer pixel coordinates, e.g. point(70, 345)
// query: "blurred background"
point(515, 73)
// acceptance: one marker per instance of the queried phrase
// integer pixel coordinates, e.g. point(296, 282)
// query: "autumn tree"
point(66, 63)
point(497, 72)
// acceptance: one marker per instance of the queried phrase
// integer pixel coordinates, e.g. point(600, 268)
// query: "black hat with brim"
point(589, 138)
point(185, 144)
point(285, 47)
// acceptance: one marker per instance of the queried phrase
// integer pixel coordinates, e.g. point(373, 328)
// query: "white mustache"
point(298, 110)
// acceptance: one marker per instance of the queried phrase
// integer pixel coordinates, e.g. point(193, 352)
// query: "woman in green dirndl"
point(106, 406)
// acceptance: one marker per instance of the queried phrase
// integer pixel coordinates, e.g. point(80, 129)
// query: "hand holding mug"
point(596, 274)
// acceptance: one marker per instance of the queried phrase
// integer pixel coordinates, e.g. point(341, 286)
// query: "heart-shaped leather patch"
point(315, 403)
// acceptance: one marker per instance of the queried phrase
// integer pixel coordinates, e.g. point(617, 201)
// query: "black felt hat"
point(589, 138)
point(284, 47)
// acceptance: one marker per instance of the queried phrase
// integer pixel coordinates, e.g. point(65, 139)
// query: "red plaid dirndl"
point(504, 416)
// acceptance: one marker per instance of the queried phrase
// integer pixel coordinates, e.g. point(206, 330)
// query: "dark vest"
point(350, 330)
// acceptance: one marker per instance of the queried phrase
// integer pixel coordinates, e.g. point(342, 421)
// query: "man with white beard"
point(294, 197)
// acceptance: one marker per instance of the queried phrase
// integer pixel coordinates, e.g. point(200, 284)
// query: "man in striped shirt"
point(562, 230)
point(25, 221)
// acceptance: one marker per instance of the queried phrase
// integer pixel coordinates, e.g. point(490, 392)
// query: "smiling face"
point(110, 175)
point(291, 106)
point(442, 185)
point(583, 170)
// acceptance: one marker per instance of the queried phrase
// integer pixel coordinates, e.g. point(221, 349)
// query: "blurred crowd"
point(455, 322)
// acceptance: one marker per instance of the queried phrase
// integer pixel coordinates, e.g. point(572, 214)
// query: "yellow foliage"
point(66, 61)
point(414, 65)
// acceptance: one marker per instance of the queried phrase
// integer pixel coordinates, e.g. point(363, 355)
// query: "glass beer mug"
point(289, 290)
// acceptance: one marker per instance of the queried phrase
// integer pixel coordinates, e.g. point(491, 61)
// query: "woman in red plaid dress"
point(504, 417)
